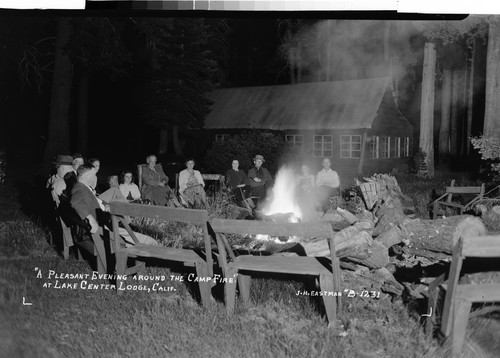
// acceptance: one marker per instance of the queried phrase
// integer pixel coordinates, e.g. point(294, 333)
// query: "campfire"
point(282, 205)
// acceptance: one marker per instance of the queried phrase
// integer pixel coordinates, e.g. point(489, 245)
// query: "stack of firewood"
point(369, 236)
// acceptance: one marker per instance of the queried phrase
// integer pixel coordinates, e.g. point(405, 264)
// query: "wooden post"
point(470, 98)
point(426, 143)
point(362, 157)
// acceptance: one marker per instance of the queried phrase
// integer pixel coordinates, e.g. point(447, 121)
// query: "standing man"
point(260, 179)
point(327, 184)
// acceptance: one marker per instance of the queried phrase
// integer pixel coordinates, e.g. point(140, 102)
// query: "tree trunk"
point(177, 145)
point(492, 105)
point(470, 97)
point(82, 116)
point(426, 142)
point(455, 93)
point(444, 129)
point(432, 238)
point(60, 97)
point(163, 147)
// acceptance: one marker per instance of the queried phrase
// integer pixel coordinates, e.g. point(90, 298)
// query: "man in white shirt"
point(327, 184)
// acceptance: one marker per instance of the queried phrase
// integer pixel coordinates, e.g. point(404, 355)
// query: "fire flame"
point(283, 199)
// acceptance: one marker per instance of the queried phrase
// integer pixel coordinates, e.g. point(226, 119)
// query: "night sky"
point(116, 134)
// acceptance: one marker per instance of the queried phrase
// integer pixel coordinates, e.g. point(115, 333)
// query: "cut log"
point(441, 235)
point(378, 258)
point(350, 218)
point(352, 244)
point(389, 283)
point(391, 237)
point(348, 243)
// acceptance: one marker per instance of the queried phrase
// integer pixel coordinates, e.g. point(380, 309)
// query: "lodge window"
point(322, 146)
point(350, 146)
point(295, 140)
point(395, 147)
point(386, 143)
point(374, 147)
point(405, 148)
point(221, 137)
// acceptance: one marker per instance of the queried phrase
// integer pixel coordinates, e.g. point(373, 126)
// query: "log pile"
point(387, 225)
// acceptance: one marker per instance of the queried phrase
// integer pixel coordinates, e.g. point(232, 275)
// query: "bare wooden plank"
point(323, 229)
point(486, 292)
point(165, 253)
point(218, 177)
point(301, 265)
point(87, 245)
point(456, 266)
point(160, 212)
point(464, 189)
point(482, 246)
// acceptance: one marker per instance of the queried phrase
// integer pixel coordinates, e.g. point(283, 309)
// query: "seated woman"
point(191, 186)
point(155, 184)
point(128, 188)
point(237, 182)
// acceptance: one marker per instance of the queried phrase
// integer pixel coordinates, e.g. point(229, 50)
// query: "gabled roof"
point(318, 105)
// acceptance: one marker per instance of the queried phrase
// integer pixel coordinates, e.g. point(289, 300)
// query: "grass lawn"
point(278, 323)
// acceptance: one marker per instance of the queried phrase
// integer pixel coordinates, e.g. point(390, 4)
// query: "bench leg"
point(461, 311)
point(230, 289)
point(329, 299)
point(244, 283)
point(205, 287)
point(121, 267)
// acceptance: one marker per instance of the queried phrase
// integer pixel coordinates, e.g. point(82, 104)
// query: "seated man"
point(237, 181)
point(260, 179)
point(327, 184)
point(92, 209)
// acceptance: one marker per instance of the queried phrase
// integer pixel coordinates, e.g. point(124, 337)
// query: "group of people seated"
point(255, 185)
point(71, 171)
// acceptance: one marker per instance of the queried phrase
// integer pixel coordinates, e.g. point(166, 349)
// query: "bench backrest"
point(190, 216)
point(452, 189)
point(215, 177)
point(254, 227)
point(479, 246)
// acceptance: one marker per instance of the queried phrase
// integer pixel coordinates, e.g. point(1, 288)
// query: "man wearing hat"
point(56, 182)
point(260, 179)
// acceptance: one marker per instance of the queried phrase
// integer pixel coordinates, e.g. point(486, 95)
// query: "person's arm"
point(183, 176)
point(163, 176)
point(136, 194)
point(94, 226)
point(252, 174)
point(335, 180)
point(80, 203)
point(311, 179)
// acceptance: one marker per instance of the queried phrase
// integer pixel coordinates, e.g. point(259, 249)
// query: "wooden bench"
point(73, 236)
point(244, 265)
point(203, 262)
point(446, 200)
point(460, 297)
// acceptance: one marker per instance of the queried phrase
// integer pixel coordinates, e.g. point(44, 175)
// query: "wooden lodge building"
point(355, 123)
